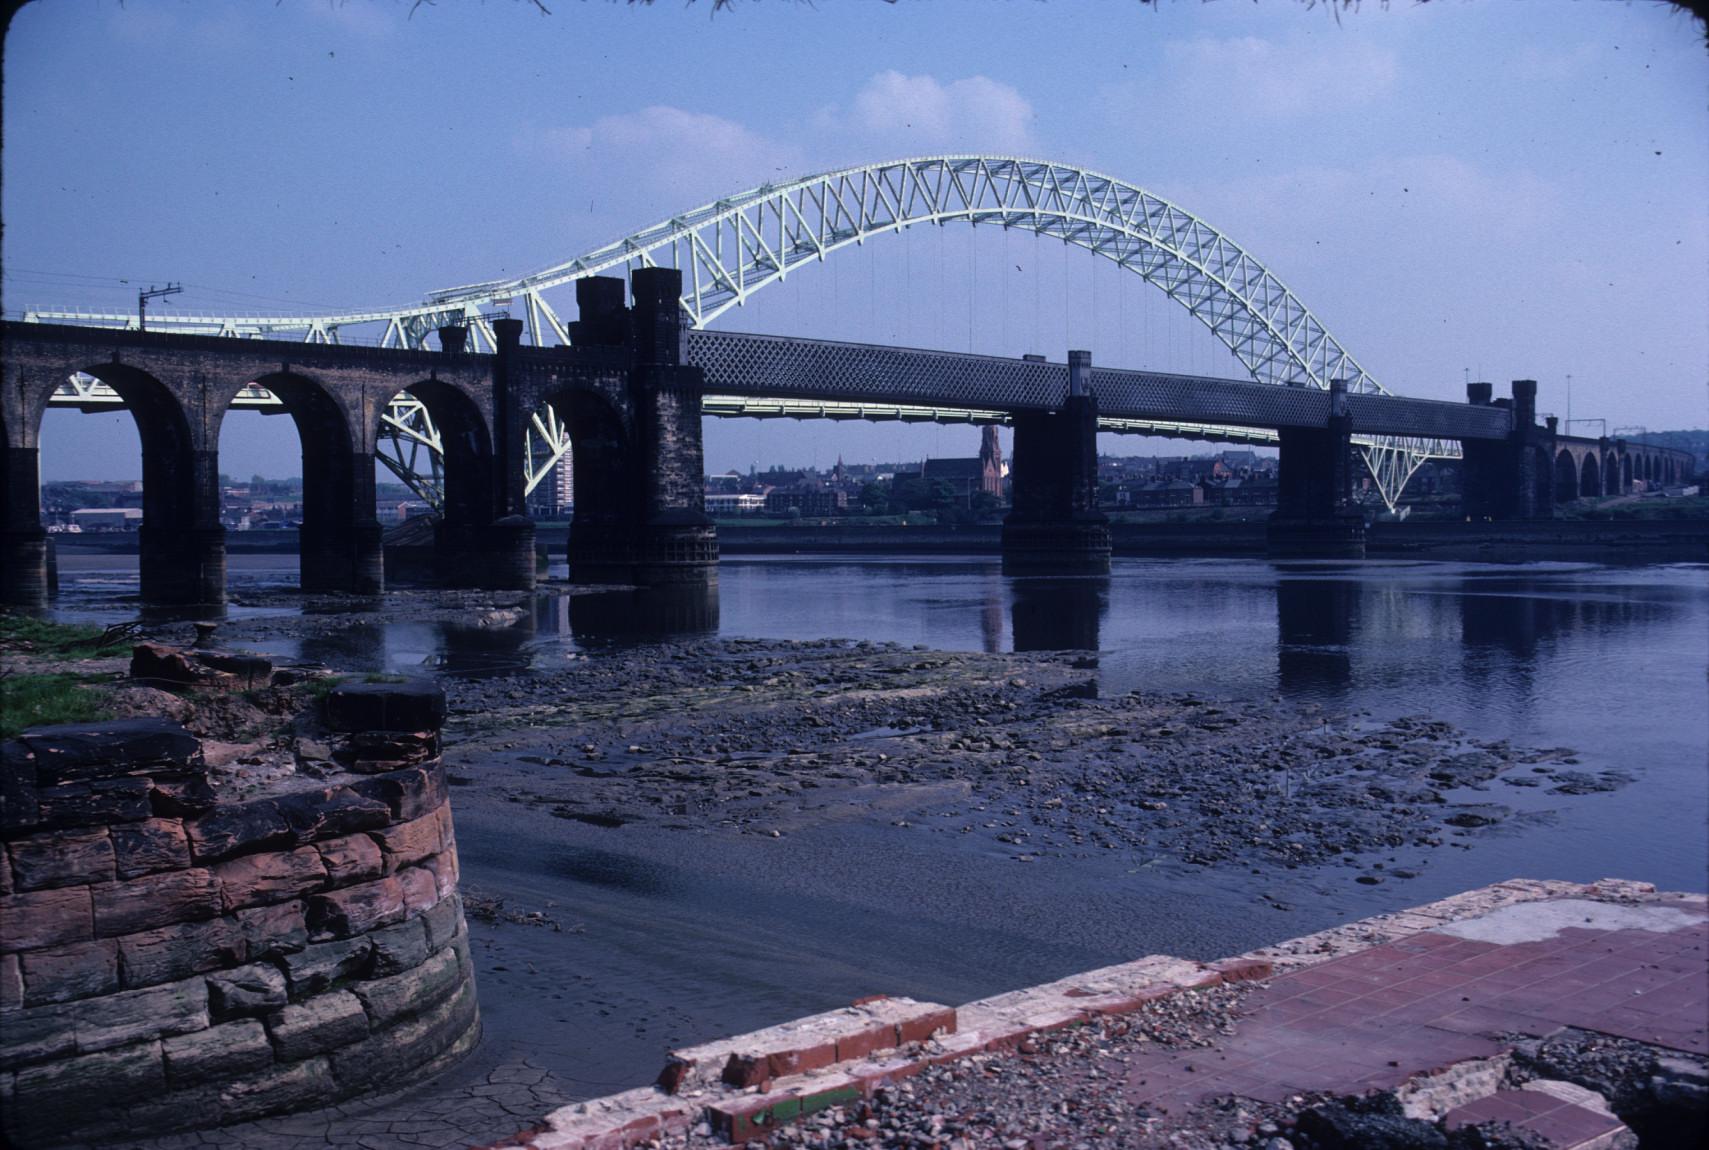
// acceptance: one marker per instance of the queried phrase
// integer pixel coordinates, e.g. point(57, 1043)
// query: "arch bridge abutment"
point(1054, 523)
point(1315, 514)
point(647, 524)
point(1512, 478)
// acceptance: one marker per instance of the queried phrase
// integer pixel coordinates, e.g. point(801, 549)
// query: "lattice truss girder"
point(733, 247)
point(744, 407)
point(409, 444)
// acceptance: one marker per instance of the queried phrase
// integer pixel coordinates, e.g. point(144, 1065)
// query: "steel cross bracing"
point(734, 246)
point(408, 443)
point(741, 407)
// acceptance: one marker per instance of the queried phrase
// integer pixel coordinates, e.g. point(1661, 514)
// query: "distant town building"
point(982, 474)
point(1256, 491)
point(807, 498)
point(722, 503)
point(391, 514)
point(1161, 493)
point(107, 518)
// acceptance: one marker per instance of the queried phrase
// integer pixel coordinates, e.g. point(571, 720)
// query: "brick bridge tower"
point(640, 508)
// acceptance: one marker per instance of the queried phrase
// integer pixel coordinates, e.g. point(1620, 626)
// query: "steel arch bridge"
point(735, 246)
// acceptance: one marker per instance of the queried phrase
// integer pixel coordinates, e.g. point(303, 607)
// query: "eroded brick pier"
point(175, 955)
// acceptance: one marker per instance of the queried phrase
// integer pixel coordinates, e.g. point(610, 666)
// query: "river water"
point(683, 939)
point(1611, 661)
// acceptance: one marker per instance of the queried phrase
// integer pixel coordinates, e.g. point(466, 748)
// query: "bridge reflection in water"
point(1407, 636)
point(642, 614)
point(1315, 621)
point(1058, 613)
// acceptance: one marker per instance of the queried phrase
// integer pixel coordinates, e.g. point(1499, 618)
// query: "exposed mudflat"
point(1017, 752)
point(667, 843)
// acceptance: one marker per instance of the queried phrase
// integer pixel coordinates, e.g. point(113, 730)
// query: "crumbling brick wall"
point(174, 956)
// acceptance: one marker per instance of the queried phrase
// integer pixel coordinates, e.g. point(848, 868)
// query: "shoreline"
point(1606, 541)
point(847, 1077)
point(1623, 541)
point(762, 828)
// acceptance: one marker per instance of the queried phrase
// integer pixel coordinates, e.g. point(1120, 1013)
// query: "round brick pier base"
point(174, 955)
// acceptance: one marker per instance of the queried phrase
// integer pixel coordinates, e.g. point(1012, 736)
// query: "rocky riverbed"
point(1027, 800)
point(1018, 752)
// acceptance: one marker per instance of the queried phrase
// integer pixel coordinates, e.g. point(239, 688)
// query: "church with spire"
point(983, 473)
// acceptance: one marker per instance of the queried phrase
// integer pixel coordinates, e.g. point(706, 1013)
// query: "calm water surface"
point(1611, 661)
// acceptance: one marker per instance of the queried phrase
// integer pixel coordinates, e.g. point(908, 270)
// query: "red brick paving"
point(1368, 1006)
point(1562, 1123)
point(1374, 1019)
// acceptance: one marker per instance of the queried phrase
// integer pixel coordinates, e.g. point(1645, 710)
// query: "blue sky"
point(1517, 189)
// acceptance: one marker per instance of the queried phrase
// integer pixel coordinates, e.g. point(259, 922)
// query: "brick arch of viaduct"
point(635, 424)
point(633, 408)
point(1588, 468)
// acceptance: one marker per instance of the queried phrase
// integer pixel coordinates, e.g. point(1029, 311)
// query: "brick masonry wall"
point(171, 957)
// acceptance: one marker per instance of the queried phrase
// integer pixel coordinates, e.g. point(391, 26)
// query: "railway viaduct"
point(629, 385)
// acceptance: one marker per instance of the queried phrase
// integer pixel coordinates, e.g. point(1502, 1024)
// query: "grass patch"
point(69, 640)
point(1688, 507)
point(321, 686)
point(37, 700)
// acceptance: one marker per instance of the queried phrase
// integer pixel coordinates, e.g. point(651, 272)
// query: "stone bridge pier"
point(1315, 514)
point(1511, 478)
point(483, 538)
point(1054, 522)
point(639, 464)
point(23, 540)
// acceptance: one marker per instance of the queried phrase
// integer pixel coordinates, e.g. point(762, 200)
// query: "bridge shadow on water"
point(1315, 622)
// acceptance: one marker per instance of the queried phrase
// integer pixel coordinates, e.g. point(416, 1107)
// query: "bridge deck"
point(784, 367)
point(787, 368)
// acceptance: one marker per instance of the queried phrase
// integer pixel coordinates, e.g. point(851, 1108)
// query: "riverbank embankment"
point(1602, 541)
point(1583, 540)
point(1526, 1015)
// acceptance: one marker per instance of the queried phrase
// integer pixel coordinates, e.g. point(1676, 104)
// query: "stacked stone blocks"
point(172, 956)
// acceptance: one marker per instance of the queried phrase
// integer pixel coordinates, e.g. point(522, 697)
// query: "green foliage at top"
point(1695, 440)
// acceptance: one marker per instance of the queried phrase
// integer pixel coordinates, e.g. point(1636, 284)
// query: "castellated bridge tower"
point(639, 464)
